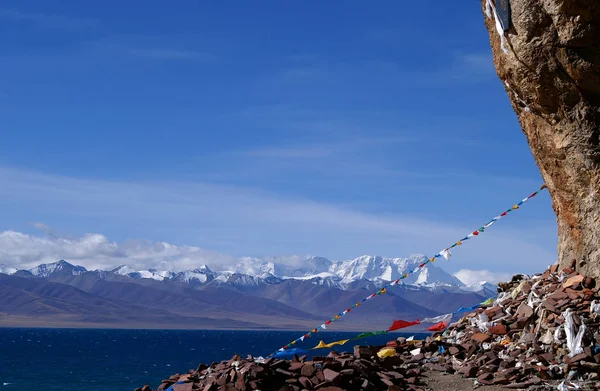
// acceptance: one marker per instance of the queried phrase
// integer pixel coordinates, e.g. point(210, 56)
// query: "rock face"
point(551, 73)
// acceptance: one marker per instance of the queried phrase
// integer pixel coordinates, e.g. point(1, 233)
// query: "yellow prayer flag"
point(323, 345)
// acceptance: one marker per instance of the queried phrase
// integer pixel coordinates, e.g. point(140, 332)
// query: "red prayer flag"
point(400, 324)
point(438, 326)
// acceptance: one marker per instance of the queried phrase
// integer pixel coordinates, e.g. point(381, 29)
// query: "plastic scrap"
point(482, 322)
point(567, 386)
point(489, 9)
point(505, 341)
point(573, 339)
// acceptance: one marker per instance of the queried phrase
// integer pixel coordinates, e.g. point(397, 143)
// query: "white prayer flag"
point(446, 254)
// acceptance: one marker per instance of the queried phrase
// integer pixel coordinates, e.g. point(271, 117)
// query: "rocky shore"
point(541, 332)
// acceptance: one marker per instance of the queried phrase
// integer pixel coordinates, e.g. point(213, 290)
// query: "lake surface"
point(115, 360)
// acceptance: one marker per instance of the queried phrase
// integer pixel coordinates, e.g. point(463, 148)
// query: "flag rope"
point(396, 325)
point(444, 253)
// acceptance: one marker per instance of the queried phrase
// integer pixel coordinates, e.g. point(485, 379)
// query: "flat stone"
point(499, 329)
point(296, 366)
point(330, 375)
point(308, 370)
point(306, 383)
point(573, 281)
point(524, 311)
point(183, 387)
point(480, 337)
point(485, 378)
point(493, 311)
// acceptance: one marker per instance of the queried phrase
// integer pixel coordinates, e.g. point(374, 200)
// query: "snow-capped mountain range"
point(318, 270)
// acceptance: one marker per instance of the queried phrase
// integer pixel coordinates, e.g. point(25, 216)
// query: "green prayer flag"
point(370, 334)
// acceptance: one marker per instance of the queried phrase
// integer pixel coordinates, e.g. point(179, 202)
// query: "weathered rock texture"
point(552, 76)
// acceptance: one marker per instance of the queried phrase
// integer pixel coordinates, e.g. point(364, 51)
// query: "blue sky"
point(266, 128)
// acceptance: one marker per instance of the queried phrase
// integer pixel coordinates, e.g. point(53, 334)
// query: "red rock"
point(573, 281)
point(306, 383)
point(558, 295)
point(240, 384)
point(470, 370)
point(499, 329)
point(183, 387)
point(576, 358)
point(480, 337)
point(308, 370)
point(330, 375)
point(485, 378)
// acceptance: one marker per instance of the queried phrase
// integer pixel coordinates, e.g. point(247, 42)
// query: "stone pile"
point(540, 329)
point(363, 370)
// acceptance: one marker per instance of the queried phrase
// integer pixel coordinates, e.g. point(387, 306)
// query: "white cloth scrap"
point(489, 9)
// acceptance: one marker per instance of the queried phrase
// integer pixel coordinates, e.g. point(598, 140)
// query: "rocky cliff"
point(549, 64)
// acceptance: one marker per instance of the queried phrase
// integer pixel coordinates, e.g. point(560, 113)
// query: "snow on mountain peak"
point(154, 274)
point(203, 269)
point(318, 270)
point(47, 269)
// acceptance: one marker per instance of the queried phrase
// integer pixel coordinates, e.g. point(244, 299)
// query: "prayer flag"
point(400, 324)
point(370, 334)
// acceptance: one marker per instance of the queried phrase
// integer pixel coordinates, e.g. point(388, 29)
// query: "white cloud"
point(228, 219)
point(469, 277)
point(96, 251)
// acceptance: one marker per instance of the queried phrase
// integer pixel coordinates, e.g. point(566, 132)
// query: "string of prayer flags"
point(465, 309)
point(445, 253)
point(400, 324)
point(441, 323)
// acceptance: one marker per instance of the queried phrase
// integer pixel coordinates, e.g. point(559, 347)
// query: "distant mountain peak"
point(203, 269)
point(62, 266)
point(365, 269)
